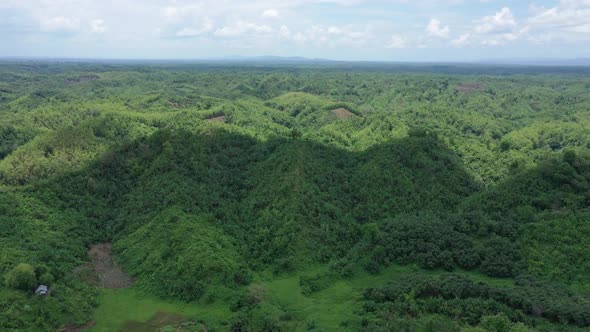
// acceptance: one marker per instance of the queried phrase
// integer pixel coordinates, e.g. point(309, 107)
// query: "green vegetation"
point(120, 306)
point(252, 199)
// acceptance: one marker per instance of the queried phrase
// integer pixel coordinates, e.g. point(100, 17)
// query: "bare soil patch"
point(102, 270)
point(342, 113)
point(470, 87)
point(109, 274)
point(220, 118)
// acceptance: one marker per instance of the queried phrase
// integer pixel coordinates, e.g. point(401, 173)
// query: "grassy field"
point(329, 309)
point(326, 310)
point(121, 306)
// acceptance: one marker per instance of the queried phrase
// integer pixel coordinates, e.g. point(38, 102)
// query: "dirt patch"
point(86, 273)
point(342, 113)
point(74, 328)
point(220, 118)
point(82, 79)
point(470, 87)
point(109, 274)
point(102, 270)
point(159, 320)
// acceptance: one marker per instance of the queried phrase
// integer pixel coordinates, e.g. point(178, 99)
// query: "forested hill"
point(215, 183)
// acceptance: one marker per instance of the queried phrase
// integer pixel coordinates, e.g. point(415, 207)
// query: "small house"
point(41, 290)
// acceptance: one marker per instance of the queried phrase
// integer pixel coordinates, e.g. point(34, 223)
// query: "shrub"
point(21, 277)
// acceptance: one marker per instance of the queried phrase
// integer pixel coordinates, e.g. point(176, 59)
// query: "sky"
point(382, 30)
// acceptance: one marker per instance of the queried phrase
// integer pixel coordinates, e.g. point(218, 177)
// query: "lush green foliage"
point(209, 179)
point(21, 277)
point(201, 254)
point(459, 297)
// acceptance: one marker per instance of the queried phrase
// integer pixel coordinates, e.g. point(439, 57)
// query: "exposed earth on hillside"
point(102, 270)
point(470, 87)
point(342, 113)
point(220, 118)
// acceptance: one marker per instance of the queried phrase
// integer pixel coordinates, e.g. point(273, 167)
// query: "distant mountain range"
point(538, 62)
point(273, 58)
point(277, 60)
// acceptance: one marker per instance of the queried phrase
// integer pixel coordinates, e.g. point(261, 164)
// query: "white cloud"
point(206, 26)
point(434, 29)
point(240, 28)
point(163, 27)
point(396, 41)
point(493, 30)
point(184, 21)
point(334, 30)
point(270, 13)
point(568, 21)
point(60, 24)
point(327, 36)
point(176, 14)
point(284, 31)
point(499, 39)
point(98, 26)
point(187, 32)
point(501, 22)
point(356, 35)
point(299, 37)
point(462, 40)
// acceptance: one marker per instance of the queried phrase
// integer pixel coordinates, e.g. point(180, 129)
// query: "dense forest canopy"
point(211, 181)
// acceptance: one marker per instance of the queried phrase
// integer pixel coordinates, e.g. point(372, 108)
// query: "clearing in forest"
point(470, 87)
point(342, 113)
point(102, 270)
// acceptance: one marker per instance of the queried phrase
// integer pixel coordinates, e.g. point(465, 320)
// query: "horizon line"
point(522, 61)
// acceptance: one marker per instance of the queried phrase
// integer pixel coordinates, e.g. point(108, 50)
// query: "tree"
point(499, 258)
point(21, 277)
point(497, 323)
point(569, 157)
point(296, 134)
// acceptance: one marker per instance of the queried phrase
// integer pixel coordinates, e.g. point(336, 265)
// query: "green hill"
point(294, 199)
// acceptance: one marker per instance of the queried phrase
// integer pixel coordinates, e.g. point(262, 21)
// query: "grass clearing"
point(327, 309)
point(330, 307)
point(120, 306)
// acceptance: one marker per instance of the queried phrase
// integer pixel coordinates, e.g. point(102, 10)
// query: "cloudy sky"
point(394, 30)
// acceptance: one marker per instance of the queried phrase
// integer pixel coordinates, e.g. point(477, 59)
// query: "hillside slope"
point(402, 200)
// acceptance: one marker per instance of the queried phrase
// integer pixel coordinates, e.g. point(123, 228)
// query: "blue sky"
point(393, 30)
